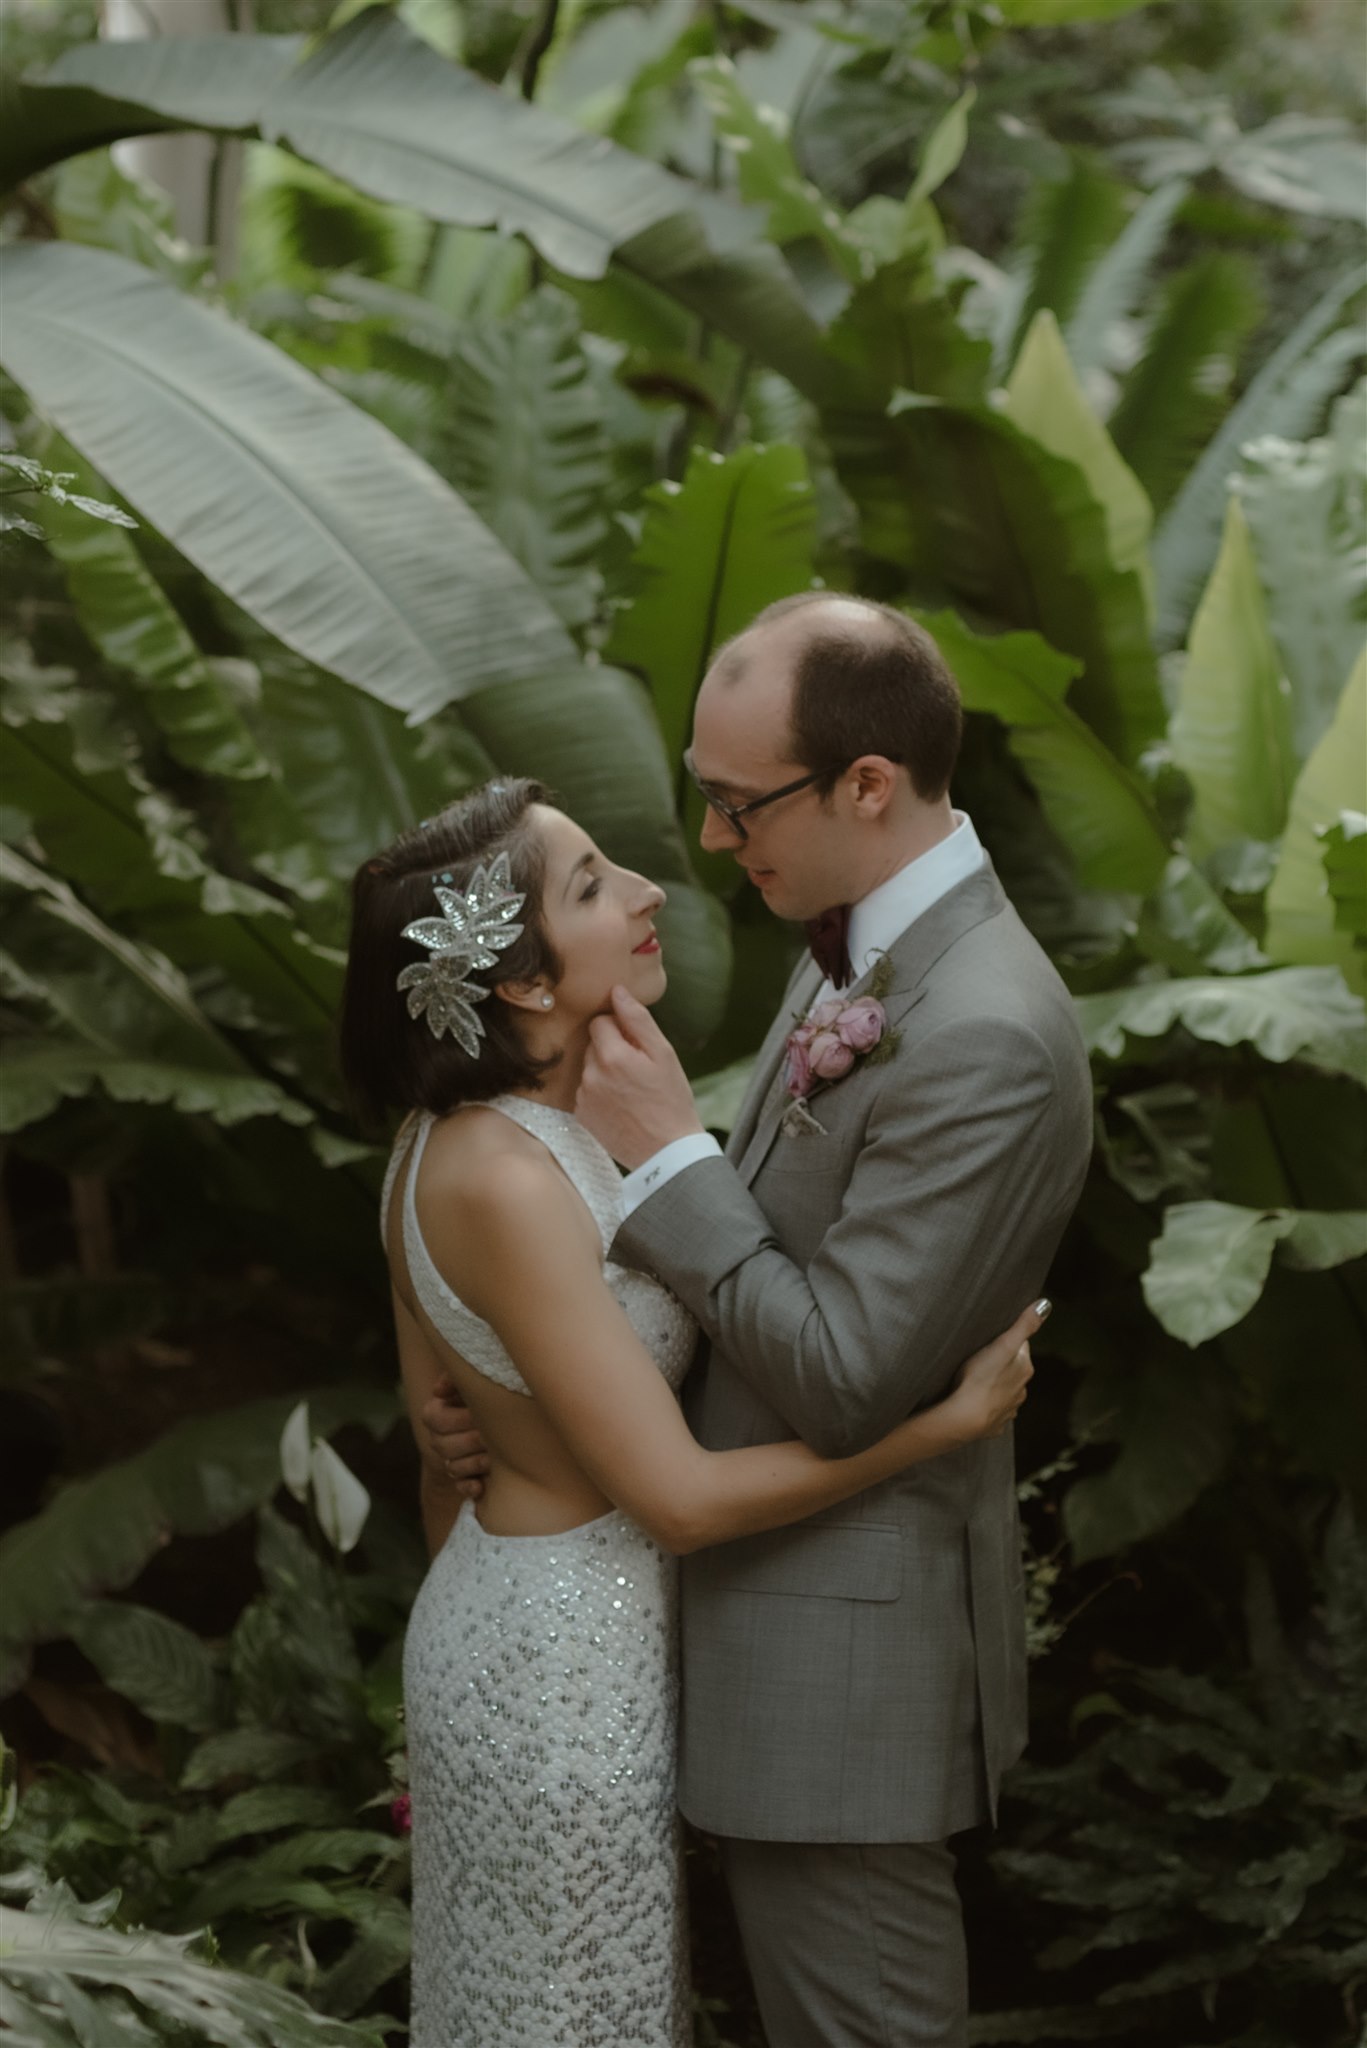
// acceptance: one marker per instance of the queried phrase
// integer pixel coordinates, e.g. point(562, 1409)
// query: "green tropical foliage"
point(518, 403)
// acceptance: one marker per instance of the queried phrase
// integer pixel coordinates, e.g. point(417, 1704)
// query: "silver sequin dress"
point(540, 1687)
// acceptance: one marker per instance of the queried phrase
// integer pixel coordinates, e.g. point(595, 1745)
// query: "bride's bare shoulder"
point(479, 1156)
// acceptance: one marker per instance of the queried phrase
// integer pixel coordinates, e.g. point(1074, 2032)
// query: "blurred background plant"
point(447, 429)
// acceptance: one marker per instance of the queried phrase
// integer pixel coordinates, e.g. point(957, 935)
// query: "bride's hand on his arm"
point(992, 1385)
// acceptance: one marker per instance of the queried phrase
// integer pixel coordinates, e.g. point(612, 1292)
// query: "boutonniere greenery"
point(838, 1035)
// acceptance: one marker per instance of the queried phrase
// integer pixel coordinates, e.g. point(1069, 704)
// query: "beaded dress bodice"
point(662, 1324)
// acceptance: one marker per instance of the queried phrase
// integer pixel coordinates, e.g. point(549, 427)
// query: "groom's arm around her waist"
point(901, 1288)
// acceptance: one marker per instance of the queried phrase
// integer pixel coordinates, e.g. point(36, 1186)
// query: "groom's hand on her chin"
point(634, 1096)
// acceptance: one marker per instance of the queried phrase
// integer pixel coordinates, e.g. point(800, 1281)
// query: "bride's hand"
point(990, 1393)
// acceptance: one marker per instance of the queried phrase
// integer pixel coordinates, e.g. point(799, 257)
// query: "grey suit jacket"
point(860, 1676)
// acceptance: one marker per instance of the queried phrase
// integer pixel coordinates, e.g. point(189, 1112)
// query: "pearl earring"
point(548, 1002)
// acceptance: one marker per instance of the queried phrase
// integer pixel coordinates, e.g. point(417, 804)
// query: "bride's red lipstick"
point(650, 945)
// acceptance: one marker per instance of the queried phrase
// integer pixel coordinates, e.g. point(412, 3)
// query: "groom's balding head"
point(844, 677)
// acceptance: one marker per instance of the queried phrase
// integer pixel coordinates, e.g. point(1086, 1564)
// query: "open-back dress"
point(541, 1689)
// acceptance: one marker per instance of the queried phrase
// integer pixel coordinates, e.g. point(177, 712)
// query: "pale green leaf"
point(942, 151)
point(1231, 733)
point(1209, 1266)
point(36, 1075)
point(1046, 401)
point(1301, 920)
point(1291, 1013)
point(1099, 809)
point(1210, 1263)
point(1186, 924)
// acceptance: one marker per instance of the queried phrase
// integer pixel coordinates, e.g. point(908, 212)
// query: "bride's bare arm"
point(520, 1257)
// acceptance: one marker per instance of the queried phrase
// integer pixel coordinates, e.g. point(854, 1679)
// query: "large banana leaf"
point(1287, 397)
point(1301, 923)
point(1231, 732)
point(1293, 1013)
point(96, 1534)
point(313, 517)
point(37, 1074)
point(135, 626)
point(735, 536)
point(1099, 809)
point(1018, 534)
point(376, 106)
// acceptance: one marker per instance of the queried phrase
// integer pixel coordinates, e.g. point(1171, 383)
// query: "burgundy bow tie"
point(829, 938)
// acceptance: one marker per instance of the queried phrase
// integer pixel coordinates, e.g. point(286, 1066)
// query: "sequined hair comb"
point(473, 929)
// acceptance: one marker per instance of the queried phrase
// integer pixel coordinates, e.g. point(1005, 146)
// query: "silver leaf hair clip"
point(471, 932)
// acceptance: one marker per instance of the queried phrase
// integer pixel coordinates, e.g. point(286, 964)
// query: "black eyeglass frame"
point(735, 814)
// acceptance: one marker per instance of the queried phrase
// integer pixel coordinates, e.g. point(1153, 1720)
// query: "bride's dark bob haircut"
point(391, 1060)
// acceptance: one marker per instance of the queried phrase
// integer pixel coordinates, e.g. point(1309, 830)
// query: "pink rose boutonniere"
point(837, 1035)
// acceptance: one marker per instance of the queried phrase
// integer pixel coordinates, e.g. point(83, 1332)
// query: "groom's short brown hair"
point(881, 688)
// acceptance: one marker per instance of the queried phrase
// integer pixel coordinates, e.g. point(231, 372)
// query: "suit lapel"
point(969, 903)
point(765, 1079)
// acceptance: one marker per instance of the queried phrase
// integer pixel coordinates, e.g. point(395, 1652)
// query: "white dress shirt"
point(877, 921)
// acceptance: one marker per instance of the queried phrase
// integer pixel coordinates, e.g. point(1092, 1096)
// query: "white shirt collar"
point(879, 919)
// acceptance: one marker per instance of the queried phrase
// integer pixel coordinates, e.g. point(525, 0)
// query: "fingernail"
point(1044, 1308)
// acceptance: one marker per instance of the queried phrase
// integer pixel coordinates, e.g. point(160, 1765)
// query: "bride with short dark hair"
point(540, 1663)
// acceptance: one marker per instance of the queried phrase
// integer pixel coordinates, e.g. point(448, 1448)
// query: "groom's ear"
point(872, 783)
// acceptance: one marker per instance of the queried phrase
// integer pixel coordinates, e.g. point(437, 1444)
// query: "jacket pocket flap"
point(826, 1560)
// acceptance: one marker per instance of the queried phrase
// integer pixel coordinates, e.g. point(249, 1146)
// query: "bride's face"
point(600, 920)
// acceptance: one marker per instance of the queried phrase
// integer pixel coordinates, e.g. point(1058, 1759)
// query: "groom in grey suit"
point(854, 1686)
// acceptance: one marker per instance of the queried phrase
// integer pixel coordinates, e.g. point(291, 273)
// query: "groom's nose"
point(716, 835)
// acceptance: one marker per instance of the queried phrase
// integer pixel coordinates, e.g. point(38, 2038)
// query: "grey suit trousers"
point(852, 1945)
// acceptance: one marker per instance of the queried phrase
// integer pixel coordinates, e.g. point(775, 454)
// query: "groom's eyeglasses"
point(736, 814)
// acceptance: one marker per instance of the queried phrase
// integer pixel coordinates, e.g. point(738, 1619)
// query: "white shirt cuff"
point(663, 1165)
